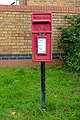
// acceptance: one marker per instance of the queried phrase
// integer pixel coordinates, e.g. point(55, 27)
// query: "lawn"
point(20, 94)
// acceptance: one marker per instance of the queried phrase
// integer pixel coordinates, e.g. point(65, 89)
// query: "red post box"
point(42, 37)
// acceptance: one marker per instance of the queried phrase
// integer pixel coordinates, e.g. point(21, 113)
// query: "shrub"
point(69, 42)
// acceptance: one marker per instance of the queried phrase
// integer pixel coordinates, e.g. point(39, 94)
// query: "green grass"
point(20, 94)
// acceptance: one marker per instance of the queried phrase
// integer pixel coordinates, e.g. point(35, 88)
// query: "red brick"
point(55, 62)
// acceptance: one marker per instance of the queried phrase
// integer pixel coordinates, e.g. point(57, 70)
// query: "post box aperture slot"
point(41, 27)
point(41, 43)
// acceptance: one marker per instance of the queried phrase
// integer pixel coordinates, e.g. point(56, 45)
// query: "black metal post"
point(43, 84)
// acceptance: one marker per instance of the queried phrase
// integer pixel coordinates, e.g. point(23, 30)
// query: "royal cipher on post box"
point(42, 37)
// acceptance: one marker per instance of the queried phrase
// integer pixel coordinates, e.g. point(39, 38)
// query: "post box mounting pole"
point(42, 45)
point(43, 81)
point(43, 84)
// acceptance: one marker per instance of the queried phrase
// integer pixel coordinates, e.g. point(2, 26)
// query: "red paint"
point(42, 37)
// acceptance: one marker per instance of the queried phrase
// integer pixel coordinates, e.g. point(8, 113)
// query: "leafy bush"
point(69, 42)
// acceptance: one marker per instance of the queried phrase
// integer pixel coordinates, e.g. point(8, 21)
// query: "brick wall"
point(15, 32)
point(54, 2)
point(15, 29)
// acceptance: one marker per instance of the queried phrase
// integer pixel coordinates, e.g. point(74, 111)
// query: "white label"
point(41, 45)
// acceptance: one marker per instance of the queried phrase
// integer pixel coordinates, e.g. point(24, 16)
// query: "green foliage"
point(70, 43)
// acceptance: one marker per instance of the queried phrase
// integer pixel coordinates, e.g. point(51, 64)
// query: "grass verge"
point(20, 94)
